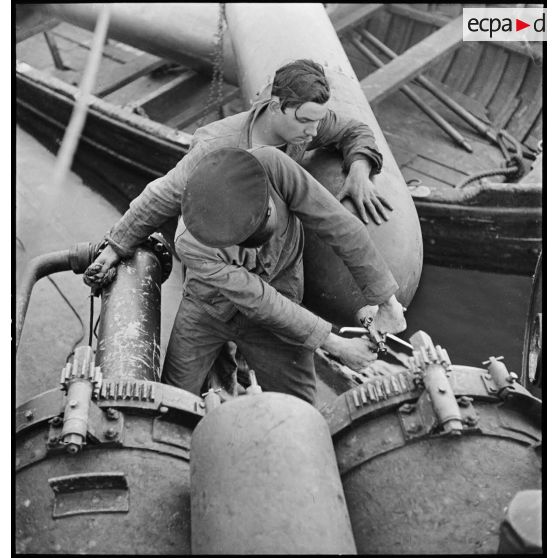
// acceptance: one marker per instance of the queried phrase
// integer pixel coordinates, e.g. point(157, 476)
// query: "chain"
point(218, 59)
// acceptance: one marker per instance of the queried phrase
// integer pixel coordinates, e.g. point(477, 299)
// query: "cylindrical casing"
point(266, 36)
point(185, 32)
point(412, 492)
point(122, 494)
point(130, 320)
point(264, 481)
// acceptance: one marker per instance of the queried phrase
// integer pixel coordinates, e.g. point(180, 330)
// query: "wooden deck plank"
point(510, 84)
point(531, 103)
point(532, 50)
point(35, 49)
point(489, 72)
point(535, 133)
point(83, 37)
point(389, 78)
point(141, 65)
point(379, 24)
point(138, 88)
point(30, 22)
point(162, 103)
point(403, 28)
point(420, 32)
point(197, 104)
point(348, 16)
point(464, 66)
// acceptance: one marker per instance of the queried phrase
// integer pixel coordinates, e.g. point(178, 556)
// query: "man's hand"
point(356, 353)
point(386, 318)
point(362, 190)
point(103, 270)
point(390, 318)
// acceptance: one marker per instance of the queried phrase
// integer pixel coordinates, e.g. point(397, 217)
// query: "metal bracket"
point(102, 428)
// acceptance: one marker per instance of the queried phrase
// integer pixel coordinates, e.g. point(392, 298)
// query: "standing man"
point(242, 246)
point(294, 119)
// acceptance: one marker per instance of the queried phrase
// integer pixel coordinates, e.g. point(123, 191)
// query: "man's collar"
point(246, 136)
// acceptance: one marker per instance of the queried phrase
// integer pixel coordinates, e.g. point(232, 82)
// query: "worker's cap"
point(226, 198)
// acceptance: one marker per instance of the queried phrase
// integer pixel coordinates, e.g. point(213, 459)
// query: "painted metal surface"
point(182, 31)
point(305, 31)
point(264, 481)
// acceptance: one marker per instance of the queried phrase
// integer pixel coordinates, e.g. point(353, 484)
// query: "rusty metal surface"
point(411, 488)
point(129, 328)
point(127, 491)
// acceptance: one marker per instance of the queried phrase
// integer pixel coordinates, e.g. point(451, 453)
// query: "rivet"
point(29, 415)
point(110, 433)
point(163, 409)
point(442, 389)
point(73, 403)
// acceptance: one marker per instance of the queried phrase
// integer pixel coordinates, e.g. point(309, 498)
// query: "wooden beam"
point(111, 81)
point(348, 16)
point(412, 62)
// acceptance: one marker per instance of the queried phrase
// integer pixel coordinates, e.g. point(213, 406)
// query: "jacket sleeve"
point(160, 200)
point(354, 139)
point(258, 300)
point(320, 212)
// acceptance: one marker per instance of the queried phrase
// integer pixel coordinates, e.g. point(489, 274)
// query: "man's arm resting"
point(319, 211)
point(360, 187)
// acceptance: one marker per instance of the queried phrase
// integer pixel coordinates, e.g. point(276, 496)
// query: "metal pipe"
point(442, 122)
point(76, 258)
point(36, 269)
point(266, 36)
point(183, 32)
point(130, 320)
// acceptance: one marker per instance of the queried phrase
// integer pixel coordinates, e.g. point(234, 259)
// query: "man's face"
point(300, 124)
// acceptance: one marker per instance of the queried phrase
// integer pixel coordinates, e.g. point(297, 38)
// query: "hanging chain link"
point(218, 62)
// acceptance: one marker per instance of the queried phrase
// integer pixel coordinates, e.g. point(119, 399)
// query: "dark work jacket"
point(266, 283)
point(161, 199)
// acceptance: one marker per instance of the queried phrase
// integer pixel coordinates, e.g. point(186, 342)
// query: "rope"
point(515, 167)
point(484, 174)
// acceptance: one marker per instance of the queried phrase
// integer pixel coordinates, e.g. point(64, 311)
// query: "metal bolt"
point(72, 448)
point(415, 427)
point(112, 414)
point(158, 247)
point(111, 433)
point(512, 377)
point(56, 421)
point(53, 440)
point(471, 421)
point(407, 408)
point(490, 359)
point(29, 415)
point(464, 401)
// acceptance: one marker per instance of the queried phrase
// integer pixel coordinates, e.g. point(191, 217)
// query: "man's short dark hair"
point(299, 82)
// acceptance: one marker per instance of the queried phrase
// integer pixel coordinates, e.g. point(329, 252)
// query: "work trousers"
point(197, 339)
